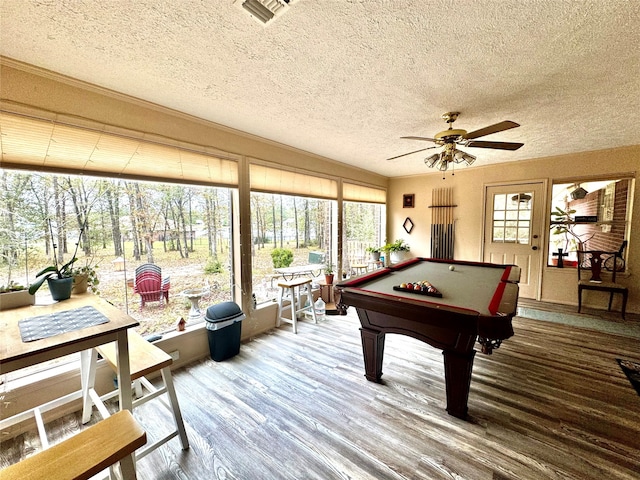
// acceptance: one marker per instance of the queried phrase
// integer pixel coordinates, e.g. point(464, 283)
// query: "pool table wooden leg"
point(457, 375)
point(373, 351)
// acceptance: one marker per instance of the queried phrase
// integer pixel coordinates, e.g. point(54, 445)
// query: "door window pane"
point(511, 217)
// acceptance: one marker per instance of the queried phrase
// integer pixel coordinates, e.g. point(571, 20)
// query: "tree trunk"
point(113, 204)
point(60, 219)
point(295, 219)
point(134, 224)
point(307, 221)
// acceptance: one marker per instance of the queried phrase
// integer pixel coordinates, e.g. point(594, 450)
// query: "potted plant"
point(374, 252)
point(59, 278)
point(397, 251)
point(14, 295)
point(85, 278)
point(328, 273)
point(564, 224)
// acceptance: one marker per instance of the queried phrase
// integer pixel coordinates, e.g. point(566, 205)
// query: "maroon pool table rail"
point(451, 328)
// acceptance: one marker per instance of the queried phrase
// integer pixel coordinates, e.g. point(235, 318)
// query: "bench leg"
point(128, 468)
point(88, 360)
point(175, 407)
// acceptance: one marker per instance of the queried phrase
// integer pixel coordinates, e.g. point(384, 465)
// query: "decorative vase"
point(80, 283)
point(60, 288)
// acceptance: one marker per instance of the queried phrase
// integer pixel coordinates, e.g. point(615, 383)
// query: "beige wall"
point(558, 285)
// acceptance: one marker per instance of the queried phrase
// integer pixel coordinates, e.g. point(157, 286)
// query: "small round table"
point(194, 295)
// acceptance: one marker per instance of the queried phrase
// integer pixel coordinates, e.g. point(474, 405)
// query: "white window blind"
point(361, 193)
point(47, 145)
point(275, 180)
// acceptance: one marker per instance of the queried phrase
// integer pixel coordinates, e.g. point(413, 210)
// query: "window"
point(364, 227)
point(512, 218)
point(185, 230)
point(288, 231)
point(592, 212)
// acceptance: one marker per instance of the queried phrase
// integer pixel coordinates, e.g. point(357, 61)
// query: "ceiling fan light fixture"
point(461, 156)
point(431, 161)
point(450, 138)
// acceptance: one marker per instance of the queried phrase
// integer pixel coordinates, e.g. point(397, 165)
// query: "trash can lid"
point(223, 311)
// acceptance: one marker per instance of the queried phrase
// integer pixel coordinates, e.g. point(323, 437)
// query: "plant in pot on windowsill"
point(397, 251)
point(59, 278)
point(328, 273)
point(85, 278)
point(14, 295)
point(374, 252)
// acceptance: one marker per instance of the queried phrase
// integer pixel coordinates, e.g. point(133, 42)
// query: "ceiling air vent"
point(264, 10)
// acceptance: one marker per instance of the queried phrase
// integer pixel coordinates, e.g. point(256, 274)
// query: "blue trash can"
point(224, 325)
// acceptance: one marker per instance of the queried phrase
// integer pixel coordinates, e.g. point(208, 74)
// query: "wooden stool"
point(112, 440)
point(294, 287)
point(144, 359)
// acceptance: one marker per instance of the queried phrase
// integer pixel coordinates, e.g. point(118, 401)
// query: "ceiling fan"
point(451, 138)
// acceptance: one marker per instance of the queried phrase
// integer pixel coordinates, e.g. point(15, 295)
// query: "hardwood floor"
point(550, 403)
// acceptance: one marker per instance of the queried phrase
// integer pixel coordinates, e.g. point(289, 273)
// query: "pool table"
point(478, 301)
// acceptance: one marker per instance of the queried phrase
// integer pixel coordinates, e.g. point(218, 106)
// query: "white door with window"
point(513, 231)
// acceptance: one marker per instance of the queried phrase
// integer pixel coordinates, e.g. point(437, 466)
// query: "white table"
point(16, 354)
point(289, 273)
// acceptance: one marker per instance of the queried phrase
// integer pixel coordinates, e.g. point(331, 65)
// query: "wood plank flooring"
point(550, 403)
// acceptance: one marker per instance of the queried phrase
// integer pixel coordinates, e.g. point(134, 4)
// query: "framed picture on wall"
point(408, 200)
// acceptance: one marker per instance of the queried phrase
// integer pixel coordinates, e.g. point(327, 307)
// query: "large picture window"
point(591, 213)
point(289, 231)
point(120, 225)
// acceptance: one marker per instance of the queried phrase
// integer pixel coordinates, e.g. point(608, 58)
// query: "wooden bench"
point(86, 454)
point(144, 359)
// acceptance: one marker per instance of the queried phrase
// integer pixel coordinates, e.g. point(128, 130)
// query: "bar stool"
point(144, 358)
point(291, 289)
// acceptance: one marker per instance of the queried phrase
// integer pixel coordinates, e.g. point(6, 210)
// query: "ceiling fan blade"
point(498, 127)
point(421, 138)
point(415, 151)
point(496, 145)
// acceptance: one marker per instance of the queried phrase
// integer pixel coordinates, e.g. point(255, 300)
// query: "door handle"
point(534, 248)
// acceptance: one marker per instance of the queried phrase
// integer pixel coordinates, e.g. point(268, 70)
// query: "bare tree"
point(113, 205)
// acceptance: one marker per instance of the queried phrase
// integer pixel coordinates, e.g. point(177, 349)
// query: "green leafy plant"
point(281, 257)
point(397, 246)
point(12, 287)
point(92, 276)
point(563, 223)
point(213, 266)
point(55, 271)
point(328, 268)
point(373, 249)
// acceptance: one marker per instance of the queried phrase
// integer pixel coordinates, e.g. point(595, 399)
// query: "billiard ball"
point(452, 268)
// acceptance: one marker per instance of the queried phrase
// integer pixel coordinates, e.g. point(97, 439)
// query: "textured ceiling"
point(346, 79)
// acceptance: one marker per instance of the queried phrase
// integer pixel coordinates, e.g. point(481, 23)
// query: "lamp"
point(450, 155)
point(579, 193)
